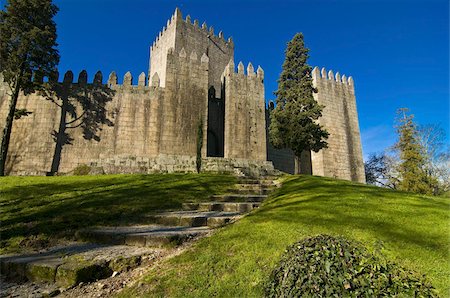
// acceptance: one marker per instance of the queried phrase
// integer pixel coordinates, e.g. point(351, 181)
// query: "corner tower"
point(181, 33)
point(343, 158)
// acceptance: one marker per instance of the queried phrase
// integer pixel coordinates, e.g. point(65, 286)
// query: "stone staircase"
point(108, 250)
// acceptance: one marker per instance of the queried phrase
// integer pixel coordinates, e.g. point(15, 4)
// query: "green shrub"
point(81, 170)
point(325, 266)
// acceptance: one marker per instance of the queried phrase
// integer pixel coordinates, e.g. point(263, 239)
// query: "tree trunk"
point(305, 163)
point(8, 126)
point(296, 165)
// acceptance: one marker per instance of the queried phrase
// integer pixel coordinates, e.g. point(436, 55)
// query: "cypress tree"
point(294, 120)
point(27, 54)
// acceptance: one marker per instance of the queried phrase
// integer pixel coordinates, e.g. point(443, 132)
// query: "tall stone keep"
point(180, 34)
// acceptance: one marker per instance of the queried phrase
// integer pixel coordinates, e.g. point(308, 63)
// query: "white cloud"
point(377, 139)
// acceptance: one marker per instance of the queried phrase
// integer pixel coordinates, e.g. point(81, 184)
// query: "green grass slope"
point(236, 260)
point(53, 207)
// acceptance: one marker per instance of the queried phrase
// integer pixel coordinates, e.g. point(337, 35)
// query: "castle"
point(194, 109)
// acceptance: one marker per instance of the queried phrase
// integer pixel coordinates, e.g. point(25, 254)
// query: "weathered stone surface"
point(71, 264)
point(142, 236)
point(154, 126)
point(343, 157)
point(193, 218)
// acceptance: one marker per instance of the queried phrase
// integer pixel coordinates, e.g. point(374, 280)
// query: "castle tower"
point(181, 33)
point(343, 158)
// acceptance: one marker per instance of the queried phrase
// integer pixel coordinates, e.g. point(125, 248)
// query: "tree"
point(380, 170)
point(431, 138)
point(293, 122)
point(411, 168)
point(27, 54)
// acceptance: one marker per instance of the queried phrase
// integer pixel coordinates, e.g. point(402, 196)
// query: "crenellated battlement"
point(177, 18)
point(330, 76)
point(250, 72)
point(195, 40)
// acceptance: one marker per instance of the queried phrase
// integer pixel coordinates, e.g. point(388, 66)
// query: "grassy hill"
point(38, 210)
point(234, 262)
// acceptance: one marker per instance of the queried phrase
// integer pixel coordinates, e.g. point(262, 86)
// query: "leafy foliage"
point(418, 162)
point(326, 266)
point(27, 54)
point(380, 170)
point(431, 138)
point(28, 43)
point(294, 119)
point(411, 168)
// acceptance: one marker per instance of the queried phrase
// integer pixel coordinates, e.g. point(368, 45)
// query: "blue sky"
point(397, 51)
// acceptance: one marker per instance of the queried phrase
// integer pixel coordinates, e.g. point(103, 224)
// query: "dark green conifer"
point(294, 120)
point(27, 54)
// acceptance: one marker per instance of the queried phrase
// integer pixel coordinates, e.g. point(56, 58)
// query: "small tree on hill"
point(27, 49)
point(294, 120)
point(437, 155)
point(413, 176)
point(381, 170)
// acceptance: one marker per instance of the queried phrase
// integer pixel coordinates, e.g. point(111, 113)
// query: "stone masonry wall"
point(133, 111)
point(245, 131)
point(343, 157)
point(146, 121)
point(181, 34)
point(185, 103)
point(159, 49)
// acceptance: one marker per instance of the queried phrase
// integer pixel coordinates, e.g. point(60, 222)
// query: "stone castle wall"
point(154, 124)
point(146, 121)
point(343, 157)
point(245, 131)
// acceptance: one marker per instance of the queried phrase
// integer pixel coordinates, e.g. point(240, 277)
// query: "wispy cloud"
point(377, 138)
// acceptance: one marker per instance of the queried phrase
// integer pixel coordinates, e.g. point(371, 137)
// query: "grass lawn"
point(55, 207)
point(236, 261)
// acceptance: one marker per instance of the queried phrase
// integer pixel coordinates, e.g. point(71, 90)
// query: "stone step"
point(249, 191)
point(71, 264)
point(239, 198)
point(241, 207)
point(251, 186)
point(142, 235)
point(248, 181)
point(263, 182)
point(211, 219)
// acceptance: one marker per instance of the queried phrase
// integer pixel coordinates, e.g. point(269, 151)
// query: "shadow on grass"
point(60, 205)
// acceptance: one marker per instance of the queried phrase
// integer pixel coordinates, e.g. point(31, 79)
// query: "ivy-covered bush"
point(326, 266)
